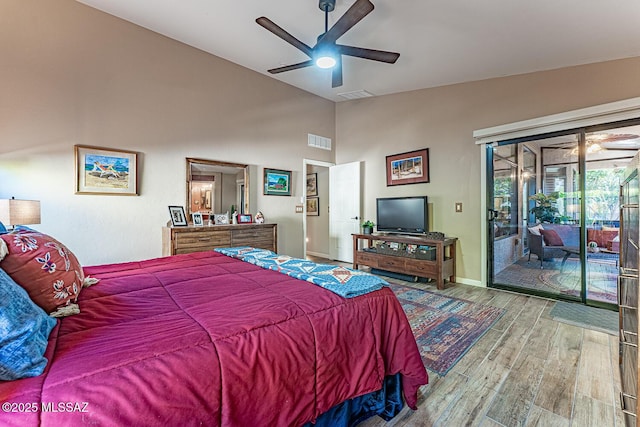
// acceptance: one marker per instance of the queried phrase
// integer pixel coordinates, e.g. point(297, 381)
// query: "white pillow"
point(536, 230)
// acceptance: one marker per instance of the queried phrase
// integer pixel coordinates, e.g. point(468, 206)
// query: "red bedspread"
point(204, 339)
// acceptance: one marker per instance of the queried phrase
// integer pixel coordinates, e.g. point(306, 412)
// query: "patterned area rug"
point(445, 328)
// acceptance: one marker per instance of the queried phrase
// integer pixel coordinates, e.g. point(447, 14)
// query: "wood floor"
point(528, 370)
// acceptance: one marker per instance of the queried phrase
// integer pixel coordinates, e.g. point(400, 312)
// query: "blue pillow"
point(24, 332)
point(3, 229)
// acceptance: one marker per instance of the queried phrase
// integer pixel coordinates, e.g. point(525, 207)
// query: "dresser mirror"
point(213, 187)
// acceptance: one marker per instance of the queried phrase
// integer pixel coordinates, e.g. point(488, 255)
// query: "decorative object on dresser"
point(106, 171)
point(277, 182)
point(411, 255)
point(628, 302)
point(411, 167)
point(178, 218)
point(222, 218)
point(245, 219)
point(197, 219)
point(259, 218)
point(183, 240)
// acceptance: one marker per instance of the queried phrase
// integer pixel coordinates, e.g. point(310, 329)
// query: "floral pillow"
point(46, 269)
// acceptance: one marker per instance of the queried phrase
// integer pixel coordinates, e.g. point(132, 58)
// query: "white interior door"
point(344, 209)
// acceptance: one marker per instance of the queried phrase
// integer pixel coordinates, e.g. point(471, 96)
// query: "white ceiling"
point(440, 42)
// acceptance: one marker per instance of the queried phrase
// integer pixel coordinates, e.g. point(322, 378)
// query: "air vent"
point(319, 142)
point(356, 94)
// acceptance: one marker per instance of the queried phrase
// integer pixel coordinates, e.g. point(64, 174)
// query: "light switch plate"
point(299, 208)
point(458, 206)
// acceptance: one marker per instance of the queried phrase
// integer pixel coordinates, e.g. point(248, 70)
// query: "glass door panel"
point(608, 153)
point(536, 226)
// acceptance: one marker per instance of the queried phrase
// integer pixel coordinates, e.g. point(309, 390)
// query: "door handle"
point(492, 214)
point(355, 217)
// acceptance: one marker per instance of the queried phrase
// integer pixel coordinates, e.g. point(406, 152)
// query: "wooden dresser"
point(184, 240)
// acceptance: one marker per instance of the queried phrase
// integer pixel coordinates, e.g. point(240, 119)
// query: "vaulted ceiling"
point(440, 42)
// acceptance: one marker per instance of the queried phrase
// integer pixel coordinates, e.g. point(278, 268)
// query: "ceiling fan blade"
point(336, 73)
point(291, 67)
point(278, 31)
point(356, 12)
point(373, 54)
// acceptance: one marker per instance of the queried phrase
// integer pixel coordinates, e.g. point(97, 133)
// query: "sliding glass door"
point(554, 212)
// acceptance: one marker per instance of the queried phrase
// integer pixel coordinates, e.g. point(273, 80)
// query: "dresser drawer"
point(247, 237)
point(203, 240)
point(391, 262)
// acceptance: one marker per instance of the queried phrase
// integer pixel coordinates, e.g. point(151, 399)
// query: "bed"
point(207, 339)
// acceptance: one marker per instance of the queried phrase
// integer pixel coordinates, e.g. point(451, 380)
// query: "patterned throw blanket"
point(346, 282)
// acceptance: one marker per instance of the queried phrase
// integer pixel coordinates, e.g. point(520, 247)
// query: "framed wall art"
point(408, 168)
point(106, 171)
point(313, 206)
point(312, 184)
point(178, 219)
point(277, 182)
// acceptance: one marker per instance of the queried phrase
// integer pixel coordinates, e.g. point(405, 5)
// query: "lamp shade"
point(19, 212)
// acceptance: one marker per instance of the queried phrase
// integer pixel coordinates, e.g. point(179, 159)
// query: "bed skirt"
point(386, 403)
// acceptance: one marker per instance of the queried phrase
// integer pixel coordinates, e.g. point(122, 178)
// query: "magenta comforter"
point(204, 339)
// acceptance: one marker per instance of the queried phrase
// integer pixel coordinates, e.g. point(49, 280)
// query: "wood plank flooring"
point(528, 370)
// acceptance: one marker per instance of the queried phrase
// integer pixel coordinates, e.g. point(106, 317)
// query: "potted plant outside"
point(545, 209)
point(367, 227)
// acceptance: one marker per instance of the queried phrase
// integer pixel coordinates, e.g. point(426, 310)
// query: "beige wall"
point(73, 75)
point(443, 120)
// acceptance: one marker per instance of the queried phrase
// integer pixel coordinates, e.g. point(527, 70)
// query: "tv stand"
point(442, 268)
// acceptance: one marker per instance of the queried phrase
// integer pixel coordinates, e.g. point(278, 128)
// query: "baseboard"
point(318, 254)
point(465, 281)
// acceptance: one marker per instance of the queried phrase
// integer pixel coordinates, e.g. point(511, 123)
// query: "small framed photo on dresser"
point(178, 219)
point(197, 219)
point(245, 219)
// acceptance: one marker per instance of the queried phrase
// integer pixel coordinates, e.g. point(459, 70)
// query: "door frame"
point(303, 199)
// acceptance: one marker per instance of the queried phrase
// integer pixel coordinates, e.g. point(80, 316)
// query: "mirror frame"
point(192, 160)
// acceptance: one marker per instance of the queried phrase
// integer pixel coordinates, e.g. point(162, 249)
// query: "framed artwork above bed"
point(106, 171)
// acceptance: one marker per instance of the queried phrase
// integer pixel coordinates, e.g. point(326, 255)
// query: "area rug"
point(586, 317)
point(445, 328)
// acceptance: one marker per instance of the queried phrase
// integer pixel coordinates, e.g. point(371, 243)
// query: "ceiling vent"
point(356, 94)
point(319, 142)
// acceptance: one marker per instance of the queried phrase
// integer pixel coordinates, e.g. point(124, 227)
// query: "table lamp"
point(19, 212)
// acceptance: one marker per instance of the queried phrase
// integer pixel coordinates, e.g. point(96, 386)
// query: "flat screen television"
point(402, 215)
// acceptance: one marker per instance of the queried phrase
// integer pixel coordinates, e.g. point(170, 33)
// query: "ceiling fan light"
point(325, 61)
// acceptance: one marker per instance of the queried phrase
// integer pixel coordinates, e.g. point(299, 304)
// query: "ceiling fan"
point(327, 53)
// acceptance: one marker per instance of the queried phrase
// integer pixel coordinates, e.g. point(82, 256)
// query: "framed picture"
point(245, 219)
point(312, 184)
point(221, 218)
point(178, 218)
point(197, 219)
point(277, 182)
point(313, 206)
point(106, 171)
point(408, 168)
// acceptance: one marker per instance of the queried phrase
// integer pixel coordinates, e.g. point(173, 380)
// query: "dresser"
point(628, 285)
point(184, 240)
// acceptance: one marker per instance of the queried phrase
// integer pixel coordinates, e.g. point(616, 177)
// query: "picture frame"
point(411, 167)
point(277, 182)
point(197, 219)
point(106, 171)
point(245, 219)
point(178, 218)
point(313, 206)
point(222, 218)
point(312, 184)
